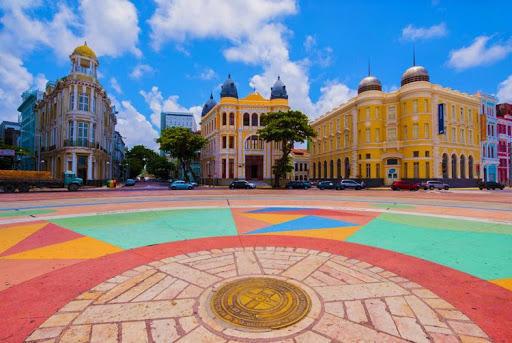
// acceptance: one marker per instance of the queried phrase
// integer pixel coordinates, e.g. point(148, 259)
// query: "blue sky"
point(169, 55)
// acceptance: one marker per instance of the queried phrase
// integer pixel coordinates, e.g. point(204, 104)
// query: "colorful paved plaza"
point(383, 266)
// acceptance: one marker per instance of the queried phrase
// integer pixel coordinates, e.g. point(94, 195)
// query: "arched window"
point(314, 170)
point(319, 170)
point(470, 167)
point(254, 120)
point(325, 169)
point(347, 168)
point(338, 168)
point(444, 166)
point(224, 119)
point(254, 142)
point(246, 119)
point(454, 166)
point(331, 169)
point(462, 167)
point(231, 118)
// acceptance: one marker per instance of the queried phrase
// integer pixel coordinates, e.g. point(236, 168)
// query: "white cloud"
point(258, 38)
point(181, 19)
point(478, 53)
point(207, 74)
point(14, 80)
point(140, 70)
point(158, 104)
point(412, 33)
point(133, 126)
point(115, 85)
point(332, 95)
point(309, 42)
point(504, 93)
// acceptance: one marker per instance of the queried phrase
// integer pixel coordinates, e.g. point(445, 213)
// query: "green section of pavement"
point(459, 244)
point(131, 230)
point(14, 213)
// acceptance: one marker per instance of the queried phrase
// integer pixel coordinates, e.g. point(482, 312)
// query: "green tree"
point(285, 128)
point(183, 145)
point(160, 167)
point(137, 157)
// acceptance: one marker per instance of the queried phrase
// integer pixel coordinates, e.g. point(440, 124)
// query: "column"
point(75, 97)
point(89, 167)
point(75, 132)
point(74, 163)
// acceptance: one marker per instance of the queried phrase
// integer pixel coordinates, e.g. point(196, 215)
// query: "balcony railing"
point(83, 143)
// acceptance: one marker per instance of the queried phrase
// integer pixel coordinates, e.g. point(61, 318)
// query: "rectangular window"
point(83, 133)
point(427, 153)
point(70, 130)
point(462, 114)
point(426, 132)
point(231, 168)
point(368, 156)
point(296, 166)
point(415, 154)
point(426, 106)
point(224, 119)
point(377, 113)
point(71, 100)
point(367, 135)
point(405, 171)
point(368, 170)
point(224, 142)
point(462, 136)
point(223, 168)
point(416, 168)
point(391, 113)
point(391, 134)
point(337, 124)
point(470, 136)
point(345, 139)
point(427, 170)
point(377, 170)
point(300, 167)
point(405, 132)
point(83, 102)
point(377, 135)
point(368, 115)
point(415, 106)
point(414, 131)
point(231, 142)
point(454, 135)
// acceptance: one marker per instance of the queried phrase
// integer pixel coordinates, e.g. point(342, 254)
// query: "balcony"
point(82, 143)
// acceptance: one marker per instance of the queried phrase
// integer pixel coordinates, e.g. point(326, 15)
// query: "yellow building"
point(234, 150)
point(76, 121)
point(419, 131)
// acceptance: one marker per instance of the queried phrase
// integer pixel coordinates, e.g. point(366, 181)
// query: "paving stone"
point(354, 273)
point(424, 293)
point(189, 274)
point(44, 333)
point(90, 295)
point(134, 332)
point(438, 303)
point(379, 317)
point(442, 338)
point(399, 307)
point(140, 288)
point(452, 314)
point(188, 323)
point(191, 291)
point(104, 333)
point(172, 291)
point(326, 279)
point(60, 319)
point(310, 336)
point(123, 287)
point(470, 339)
point(201, 335)
point(360, 291)
point(75, 305)
point(409, 329)
point(155, 290)
point(336, 308)
point(135, 311)
point(246, 263)
point(424, 313)
point(164, 330)
point(355, 311)
point(76, 334)
point(467, 329)
point(437, 329)
point(303, 268)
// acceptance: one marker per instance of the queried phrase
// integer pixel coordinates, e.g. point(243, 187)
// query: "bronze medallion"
point(260, 303)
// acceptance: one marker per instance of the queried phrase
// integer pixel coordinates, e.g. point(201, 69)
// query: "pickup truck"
point(24, 180)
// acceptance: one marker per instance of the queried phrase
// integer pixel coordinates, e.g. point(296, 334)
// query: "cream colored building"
point(234, 149)
point(300, 163)
point(76, 122)
point(419, 131)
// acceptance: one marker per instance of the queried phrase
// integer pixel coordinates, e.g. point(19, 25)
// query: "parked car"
point(242, 184)
point(491, 185)
point(179, 184)
point(194, 184)
point(326, 185)
point(298, 185)
point(129, 182)
point(434, 184)
point(343, 184)
point(404, 184)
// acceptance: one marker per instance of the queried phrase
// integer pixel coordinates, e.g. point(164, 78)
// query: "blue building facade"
point(28, 125)
point(489, 145)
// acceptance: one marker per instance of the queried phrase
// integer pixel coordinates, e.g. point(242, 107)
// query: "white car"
point(433, 184)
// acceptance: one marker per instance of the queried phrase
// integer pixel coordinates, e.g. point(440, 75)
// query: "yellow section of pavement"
point(505, 283)
point(337, 233)
point(11, 236)
point(273, 218)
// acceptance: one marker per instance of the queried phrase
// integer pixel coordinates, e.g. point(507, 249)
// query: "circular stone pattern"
point(170, 300)
point(260, 303)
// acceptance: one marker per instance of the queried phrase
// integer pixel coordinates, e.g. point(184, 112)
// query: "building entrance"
point(254, 167)
point(81, 170)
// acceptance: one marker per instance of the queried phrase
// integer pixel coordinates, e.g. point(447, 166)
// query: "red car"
point(404, 184)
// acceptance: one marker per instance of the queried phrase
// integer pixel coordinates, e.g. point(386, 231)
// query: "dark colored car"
point(343, 184)
point(404, 184)
point(298, 185)
point(129, 182)
point(241, 184)
point(491, 185)
point(326, 185)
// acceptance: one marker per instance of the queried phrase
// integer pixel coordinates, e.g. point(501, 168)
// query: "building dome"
point(369, 83)
point(229, 89)
point(415, 73)
point(84, 50)
point(208, 106)
point(278, 90)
